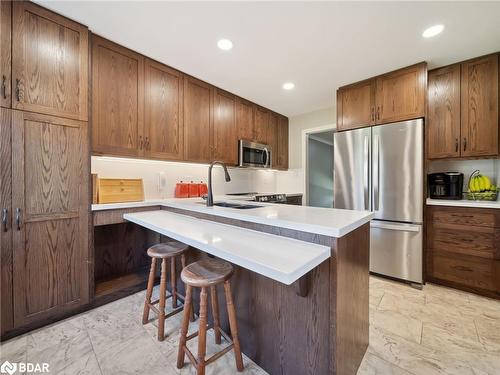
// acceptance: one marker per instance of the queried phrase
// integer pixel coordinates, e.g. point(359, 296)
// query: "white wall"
point(299, 123)
point(242, 180)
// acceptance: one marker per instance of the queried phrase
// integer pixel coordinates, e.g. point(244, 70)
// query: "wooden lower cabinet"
point(463, 248)
point(49, 225)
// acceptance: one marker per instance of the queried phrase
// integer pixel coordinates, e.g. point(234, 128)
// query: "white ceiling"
point(317, 45)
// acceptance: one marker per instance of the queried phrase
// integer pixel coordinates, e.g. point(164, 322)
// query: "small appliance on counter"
point(446, 185)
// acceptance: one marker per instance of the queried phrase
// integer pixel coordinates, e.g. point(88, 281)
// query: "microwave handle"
point(266, 153)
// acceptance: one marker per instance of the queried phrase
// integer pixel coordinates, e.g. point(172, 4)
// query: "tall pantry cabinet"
point(44, 166)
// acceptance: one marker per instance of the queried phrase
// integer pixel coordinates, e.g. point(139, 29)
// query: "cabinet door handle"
point(456, 144)
point(378, 113)
point(147, 145)
point(5, 214)
point(18, 95)
point(18, 218)
point(4, 88)
point(140, 142)
point(465, 143)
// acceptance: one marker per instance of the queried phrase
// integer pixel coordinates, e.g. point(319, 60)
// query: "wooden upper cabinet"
point(117, 99)
point(224, 134)
point(356, 105)
point(401, 94)
point(49, 63)
point(282, 155)
point(443, 117)
point(479, 106)
point(272, 137)
point(163, 125)
point(51, 173)
point(260, 124)
point(197, 120)
point(5, 53)
point(245, 119)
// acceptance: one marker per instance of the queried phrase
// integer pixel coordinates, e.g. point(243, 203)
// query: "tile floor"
point(434, 331)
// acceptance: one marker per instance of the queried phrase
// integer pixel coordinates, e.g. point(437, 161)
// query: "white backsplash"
point(488, 167)
point(242, 180)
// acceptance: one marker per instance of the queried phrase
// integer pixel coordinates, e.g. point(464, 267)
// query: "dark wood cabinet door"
point(261, 124)
point(272, 138)
point(49, 63)
point(443, 117)
point(6, 310)
point(282, 143)
point(480, 120)
point(224, 135)
point(5, 53)
point(401, 94)
point(50, 174)
point(197, 120)
point(164, 121)
point(356, 105)
point(117, 99)
point(245, 119)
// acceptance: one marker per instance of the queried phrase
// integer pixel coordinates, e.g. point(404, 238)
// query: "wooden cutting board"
point(116, 190)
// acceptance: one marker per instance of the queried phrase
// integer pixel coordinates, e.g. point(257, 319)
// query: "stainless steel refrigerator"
point(381, 169)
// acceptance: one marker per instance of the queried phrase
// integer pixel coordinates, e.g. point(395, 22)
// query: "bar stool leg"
point(233, 325)
point(215, 313)
point(149, 292)
point(183, 264)
point(173, 283)
point(184, 328)
point(163, 294)
point(202, 335)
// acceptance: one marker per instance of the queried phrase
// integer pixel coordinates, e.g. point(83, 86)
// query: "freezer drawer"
point(396, 250)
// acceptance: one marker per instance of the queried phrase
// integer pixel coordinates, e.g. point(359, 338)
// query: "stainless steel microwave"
point(255, 155)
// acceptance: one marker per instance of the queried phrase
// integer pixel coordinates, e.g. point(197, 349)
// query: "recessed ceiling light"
point(288, 85)
point(225, 44)
point(432, 31)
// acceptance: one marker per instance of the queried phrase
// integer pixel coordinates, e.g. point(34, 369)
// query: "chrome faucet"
point(210, 197)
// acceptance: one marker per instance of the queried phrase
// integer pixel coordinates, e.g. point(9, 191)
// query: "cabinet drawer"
point(467, 240)
point(465, 217)
point(469, 271)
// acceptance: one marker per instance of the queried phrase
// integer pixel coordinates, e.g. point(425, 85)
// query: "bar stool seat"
point(167, 251)
point(205, 274)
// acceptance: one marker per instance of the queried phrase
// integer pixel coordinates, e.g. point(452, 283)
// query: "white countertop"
point(327, 221)
point(462, 203)
point(279, 258)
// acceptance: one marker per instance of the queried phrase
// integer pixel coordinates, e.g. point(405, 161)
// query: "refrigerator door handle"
point(366, 177)
point(376, 173)
point(399, 227)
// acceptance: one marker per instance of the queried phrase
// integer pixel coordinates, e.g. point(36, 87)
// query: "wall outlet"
point(162, 183)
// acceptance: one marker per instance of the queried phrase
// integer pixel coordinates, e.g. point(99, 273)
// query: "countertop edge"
point(462, 203)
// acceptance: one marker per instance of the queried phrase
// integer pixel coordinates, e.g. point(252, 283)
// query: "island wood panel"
point(6, 310)
point(443, 117)
point(120, 249)
point(115, 216)
point(51, 175)
point(245, 119)
point(282, 162)
point(117, 99)
point(5, 53)
point(285, 333)
point(224, 134)
point(164, 115)
point(261, 123)
point(401, 94)
point(356, 105)
point(479, 106)
point(197, 120)
point(49, 62)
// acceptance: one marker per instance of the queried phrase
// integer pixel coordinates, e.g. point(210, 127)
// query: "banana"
point(482, 186)
point(487, 183)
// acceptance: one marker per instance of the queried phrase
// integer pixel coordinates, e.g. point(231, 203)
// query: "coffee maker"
point(446, 185)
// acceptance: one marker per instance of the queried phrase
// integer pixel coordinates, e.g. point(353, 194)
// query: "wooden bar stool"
point(164, 251)
point(204, 274)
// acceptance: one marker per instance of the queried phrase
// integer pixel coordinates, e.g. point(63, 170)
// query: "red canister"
point(203, 189)
point(194, 190)
point(182, 190)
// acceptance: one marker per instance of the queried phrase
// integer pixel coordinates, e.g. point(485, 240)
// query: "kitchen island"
point(301, 281)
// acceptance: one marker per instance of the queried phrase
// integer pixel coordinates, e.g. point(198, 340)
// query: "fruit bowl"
point(481, 188)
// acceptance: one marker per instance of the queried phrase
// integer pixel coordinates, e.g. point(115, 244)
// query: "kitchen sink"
point(238, 206)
